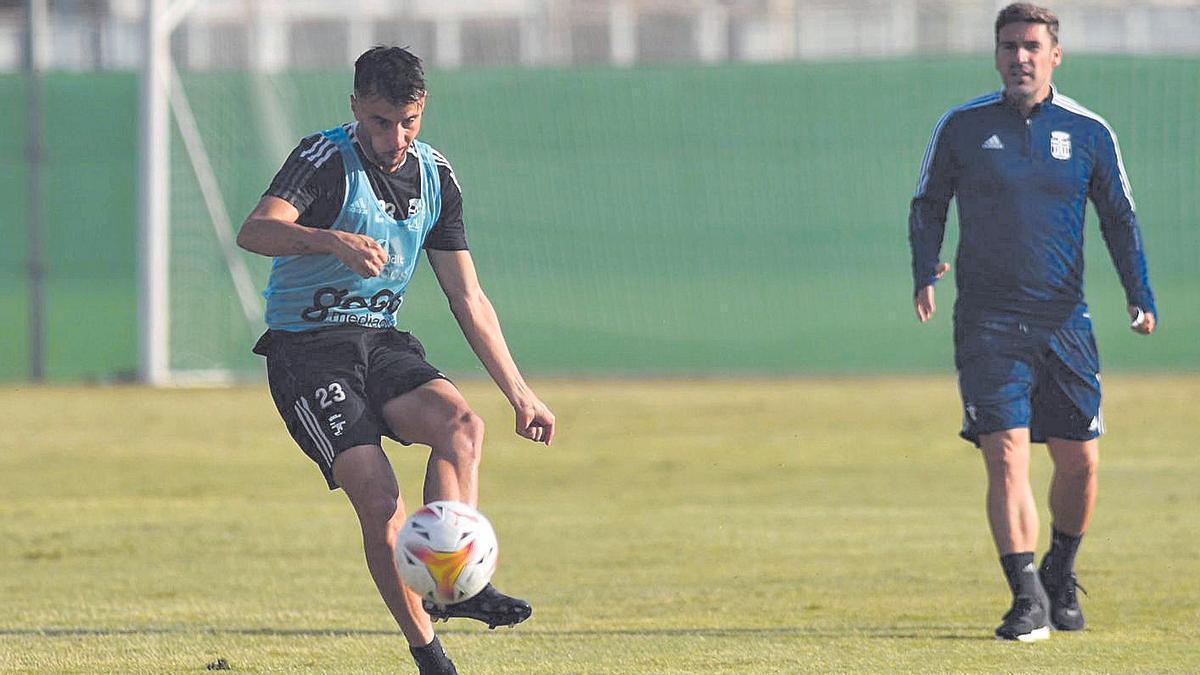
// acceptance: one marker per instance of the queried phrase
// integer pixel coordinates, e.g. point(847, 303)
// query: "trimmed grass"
point(717, 526)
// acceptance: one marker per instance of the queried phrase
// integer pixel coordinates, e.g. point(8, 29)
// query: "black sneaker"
point(489, 606)
point(1065, 613)
point(1026, 621)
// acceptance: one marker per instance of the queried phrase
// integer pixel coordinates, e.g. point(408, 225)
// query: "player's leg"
point(1011, 510)
point(437, 415)
point(1067, 409)
point(1074, 484)
point(1072, 499)
point(1012, 515)
point(419, 405)
point(365, 474)
point(1066, 413)
point(996, 361)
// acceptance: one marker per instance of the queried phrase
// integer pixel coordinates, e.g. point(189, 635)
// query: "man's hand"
point(534, 420)
point(923, 300)
point(1140, 321)
point(362, 254)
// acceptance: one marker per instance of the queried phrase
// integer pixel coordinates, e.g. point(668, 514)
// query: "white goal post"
point(164, 98)
point(153, 200)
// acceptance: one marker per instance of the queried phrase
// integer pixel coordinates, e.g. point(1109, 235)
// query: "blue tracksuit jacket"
point(1021, 186)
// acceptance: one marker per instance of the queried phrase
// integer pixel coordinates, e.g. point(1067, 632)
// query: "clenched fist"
point(362, 254)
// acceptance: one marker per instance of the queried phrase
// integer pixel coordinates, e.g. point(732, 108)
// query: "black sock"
point(432, 658)
point(1020, 573)
point(1063, 548)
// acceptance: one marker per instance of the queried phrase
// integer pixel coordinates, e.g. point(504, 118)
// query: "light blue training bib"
point(312, 291)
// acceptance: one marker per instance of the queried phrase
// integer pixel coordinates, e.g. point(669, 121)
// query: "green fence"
point(675, 220)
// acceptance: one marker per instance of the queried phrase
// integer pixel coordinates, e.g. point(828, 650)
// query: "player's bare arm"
point(271, 229)
point(923, 301)
point(455, 271)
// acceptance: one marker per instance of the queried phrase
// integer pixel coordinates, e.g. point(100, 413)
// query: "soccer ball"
point(446, 552)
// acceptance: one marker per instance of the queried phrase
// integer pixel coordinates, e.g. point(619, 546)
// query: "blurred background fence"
point(651, 187)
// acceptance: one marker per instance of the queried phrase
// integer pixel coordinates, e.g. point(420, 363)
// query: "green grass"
point(716, 526)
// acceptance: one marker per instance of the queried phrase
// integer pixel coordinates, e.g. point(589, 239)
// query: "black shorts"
point(330, 385)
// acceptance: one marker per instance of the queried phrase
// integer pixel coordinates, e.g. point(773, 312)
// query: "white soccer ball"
point(446, 552)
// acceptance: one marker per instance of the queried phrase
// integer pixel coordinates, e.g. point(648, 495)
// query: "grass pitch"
point(674, 527)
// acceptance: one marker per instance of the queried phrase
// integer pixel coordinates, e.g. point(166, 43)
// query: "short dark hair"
point(391, 73)
point(1023, 12)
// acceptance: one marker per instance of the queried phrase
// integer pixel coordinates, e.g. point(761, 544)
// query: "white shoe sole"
point(1035, 635)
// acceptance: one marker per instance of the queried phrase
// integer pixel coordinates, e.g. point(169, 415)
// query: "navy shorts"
point(330, 385)
point(1013, 374)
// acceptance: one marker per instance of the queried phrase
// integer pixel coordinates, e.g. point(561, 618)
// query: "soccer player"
point(1022, 162)
point(345, 219)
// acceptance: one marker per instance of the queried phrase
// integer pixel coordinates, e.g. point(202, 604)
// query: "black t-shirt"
point(313, 180)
